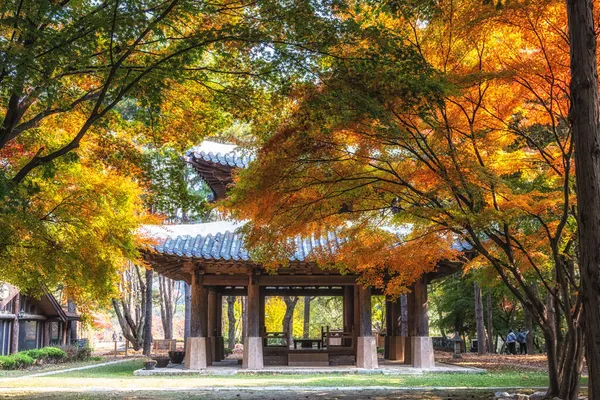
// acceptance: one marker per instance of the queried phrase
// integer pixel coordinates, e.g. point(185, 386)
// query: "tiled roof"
point(232, 159)
point(230, 246)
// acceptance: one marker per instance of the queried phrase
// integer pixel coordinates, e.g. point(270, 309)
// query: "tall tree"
point(288, 318)
point(231, 321)
point(585, 119)
point(306, 325)
point(169, 292)
point(131, 307)
point(490, 323)
point(86, 87)
point(148, 318)
point(481, 339)
point(453, 132)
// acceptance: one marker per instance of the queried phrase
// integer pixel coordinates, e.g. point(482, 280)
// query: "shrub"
point(53, 354)
point(22, 360)
point(36, 354)
point(76, 353)
point(7, 362)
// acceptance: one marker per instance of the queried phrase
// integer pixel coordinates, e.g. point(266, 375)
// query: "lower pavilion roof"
point(218, 248)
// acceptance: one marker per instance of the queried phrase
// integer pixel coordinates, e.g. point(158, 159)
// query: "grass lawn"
point(121, 375)
point(117, 381)
point(48, 368)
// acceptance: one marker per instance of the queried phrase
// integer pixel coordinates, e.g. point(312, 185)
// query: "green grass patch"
point(504, 378)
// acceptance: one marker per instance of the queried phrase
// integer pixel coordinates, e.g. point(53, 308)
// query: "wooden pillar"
point(212, 321)
point(366, 346)
point(198, 354)
point(411, 328)
point(46, 333)
point(261, 307)
point(422, 345)
point(220, 343)
point(356, 325)
point(14, 341)
point(389, 328)
point(397, 341)
point(253, 346)
point(349, 314)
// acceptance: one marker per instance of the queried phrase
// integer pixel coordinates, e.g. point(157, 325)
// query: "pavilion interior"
point(407, 340)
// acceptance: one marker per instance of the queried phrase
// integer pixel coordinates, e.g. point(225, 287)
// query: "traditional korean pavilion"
point(213, 260)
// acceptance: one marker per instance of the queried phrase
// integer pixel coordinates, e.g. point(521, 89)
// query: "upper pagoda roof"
point(215, 163)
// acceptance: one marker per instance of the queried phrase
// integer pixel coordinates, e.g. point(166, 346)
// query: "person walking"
point(511, 342)
point(522, 340)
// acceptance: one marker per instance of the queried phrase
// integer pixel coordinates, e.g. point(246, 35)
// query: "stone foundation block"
point(197, 353)
point(253, 353)
point(366, 352)
point(422, 352)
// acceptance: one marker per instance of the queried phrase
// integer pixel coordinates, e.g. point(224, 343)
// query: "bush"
point(7, 362)
point(76, 353)
point(36, 354)
point(53, 354)
point(22, 360)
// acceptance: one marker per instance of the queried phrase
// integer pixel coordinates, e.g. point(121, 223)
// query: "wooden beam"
point(226, 280)
point(306, 280)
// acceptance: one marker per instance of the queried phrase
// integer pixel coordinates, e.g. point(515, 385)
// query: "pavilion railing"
point(276, 339)
point(336, 338)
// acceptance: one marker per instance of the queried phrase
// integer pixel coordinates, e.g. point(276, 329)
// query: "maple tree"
point(434, 133)
point(89, 89)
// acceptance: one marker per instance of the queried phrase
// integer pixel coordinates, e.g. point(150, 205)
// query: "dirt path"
point(245, 394)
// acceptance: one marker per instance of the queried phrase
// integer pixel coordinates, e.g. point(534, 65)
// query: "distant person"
point(511, 342)
point(120, 337)
point(114, 336)
point(522, 340)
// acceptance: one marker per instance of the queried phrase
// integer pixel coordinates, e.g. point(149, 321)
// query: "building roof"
point(219, 153)
point(229, 245)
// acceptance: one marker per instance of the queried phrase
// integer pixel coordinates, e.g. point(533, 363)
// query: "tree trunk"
point(231, 321)
point(131, 307)
point(148, 316)
point(490, 323)
point(585, 122)
point(481, 340)
point(288, 317)
point(306, 327)
point(529, 329)
point(166, 289)
point(14, 341)
point(188, 311)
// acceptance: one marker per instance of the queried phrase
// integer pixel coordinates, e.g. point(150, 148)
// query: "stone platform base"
point(366, 352)
point(422, 352)
point(253, 353)
point(197, 354)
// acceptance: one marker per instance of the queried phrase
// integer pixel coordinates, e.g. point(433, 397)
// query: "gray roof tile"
point(229, 245)
point(231, 159)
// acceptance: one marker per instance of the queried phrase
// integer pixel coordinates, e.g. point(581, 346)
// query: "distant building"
point(28, 323)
